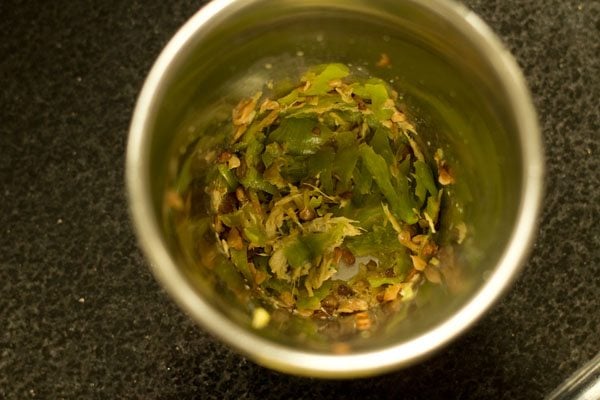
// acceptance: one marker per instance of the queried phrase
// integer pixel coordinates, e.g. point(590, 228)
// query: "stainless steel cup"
point(458, 83)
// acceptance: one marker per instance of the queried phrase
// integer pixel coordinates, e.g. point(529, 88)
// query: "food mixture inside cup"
point(321, 199)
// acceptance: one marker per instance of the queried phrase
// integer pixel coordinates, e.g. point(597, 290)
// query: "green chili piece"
point(240, 260)
point(321, 165)
point(228, 177)
point(289, 98)
point(378, 241)
point(278, 285)
point(319, 83)
point(321, 242)
point(369, 214)
point(345, 162)
point(297, 254)
point(253, 153)
point(294, 169)
point(255, 235)
point(381, 144)
point(306, 302)
point(254, 180)
point(432, 210)
point(229, 275)
point(298, 136)
point(423, 174)
point(273, 151)
point(345, 139)
point(377, 92)
point(363, 180)
point(399, 201)
point(377, 281)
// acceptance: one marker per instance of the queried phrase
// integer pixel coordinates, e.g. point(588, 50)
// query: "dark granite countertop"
point(82, 317)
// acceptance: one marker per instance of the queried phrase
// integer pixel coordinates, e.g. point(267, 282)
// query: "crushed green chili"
point(324, 179)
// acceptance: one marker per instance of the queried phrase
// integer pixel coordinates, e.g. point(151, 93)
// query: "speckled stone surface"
point(82, 317)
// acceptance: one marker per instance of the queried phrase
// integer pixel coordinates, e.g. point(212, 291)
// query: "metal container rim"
point(294, 360)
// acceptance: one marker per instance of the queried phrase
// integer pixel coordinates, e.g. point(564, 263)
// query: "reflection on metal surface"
point(584, 384)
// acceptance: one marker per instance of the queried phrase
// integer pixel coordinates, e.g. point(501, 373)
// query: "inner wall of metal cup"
point(450, 90)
